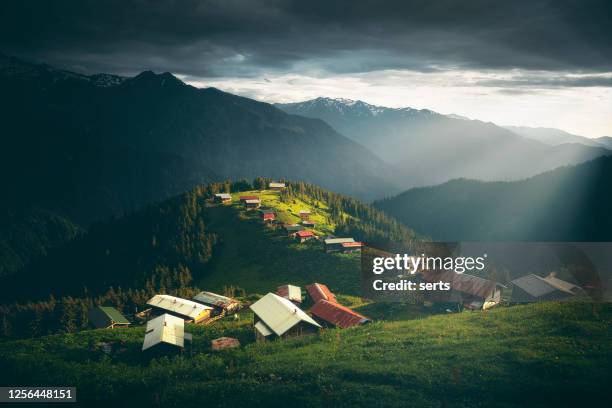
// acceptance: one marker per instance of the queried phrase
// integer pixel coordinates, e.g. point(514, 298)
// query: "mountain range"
point(429, 148)
point(94, 146)
point(554, 137)
point(571, 203)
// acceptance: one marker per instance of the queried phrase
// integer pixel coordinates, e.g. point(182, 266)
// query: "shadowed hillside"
point(567, 204)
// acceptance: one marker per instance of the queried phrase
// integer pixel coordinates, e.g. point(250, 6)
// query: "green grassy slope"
point(526, 356)
point(258, 258)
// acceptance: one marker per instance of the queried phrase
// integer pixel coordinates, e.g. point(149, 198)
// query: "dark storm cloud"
point(549, 82)
point(249, 38)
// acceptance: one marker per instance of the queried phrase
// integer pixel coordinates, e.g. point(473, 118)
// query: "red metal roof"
point(243, 198)
point(305, 234)
point(318, 291)
point(224, 343)
point(470, 284)
point(338, 315)
point(352, 244)
point(268, 216)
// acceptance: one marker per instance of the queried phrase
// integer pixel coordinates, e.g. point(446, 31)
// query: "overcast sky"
point(534, 63)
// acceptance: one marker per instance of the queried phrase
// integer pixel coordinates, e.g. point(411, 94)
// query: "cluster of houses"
point(302, 232)
point(166, 317)
point(278, 315)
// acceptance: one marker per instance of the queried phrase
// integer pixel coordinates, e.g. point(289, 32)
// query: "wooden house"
point(223, 198)
point(250, 197)
point(304, 214)
point(291, 229)
point(318, 291)
point(291, 292)
point(191, 312)
point(222, 305)
point(277, 186)
point(335, 315)
point(335, 244)
point(268, 215)
point(252, 204)
point(351, 247)
point(303, 236)
point(105, 317)
point(466, 291)
point(165, 333)
point(533, 288)
point(308, 224)
point(276, 317)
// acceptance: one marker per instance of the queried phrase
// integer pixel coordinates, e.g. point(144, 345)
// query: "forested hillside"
point(185, 242)
point(31, 233)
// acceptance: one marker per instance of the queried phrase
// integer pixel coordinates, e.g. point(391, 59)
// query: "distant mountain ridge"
point(552, 136)
point(430, 148)
point(94, 146)
point(567, 204)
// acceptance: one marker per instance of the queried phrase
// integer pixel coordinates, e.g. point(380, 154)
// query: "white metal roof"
point(263, 329)
point(164, 329)
point(273, 184)
point(177, 305)
point(293, 292)
point(257, 201)
point(279, 314)
point(338, 240)
point(223, 195)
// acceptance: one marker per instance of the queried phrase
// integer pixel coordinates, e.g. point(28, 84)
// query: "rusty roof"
point(214, 299)
point(352, 244)
point(318, 291)
point(461, 282)
point(224, 343)
point(305, 234)
point(338, 315)
point(243, 198)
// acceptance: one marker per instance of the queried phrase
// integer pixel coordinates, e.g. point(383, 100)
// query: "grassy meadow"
point(536, 355)
point(258, 257)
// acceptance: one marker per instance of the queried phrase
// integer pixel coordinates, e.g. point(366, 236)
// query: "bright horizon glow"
point(505, 98)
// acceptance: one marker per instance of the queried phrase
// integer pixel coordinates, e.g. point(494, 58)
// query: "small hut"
point(276, 186)
point(533, 288)
point(105, 317)
point(268, 215)
point(303, 236)
point(187, 310)
point(466, 291)
point(220, 304)
point(276, 317)
point(165, 333)
point(223, 198)
point(335, 244)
